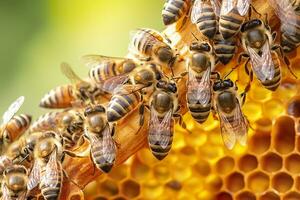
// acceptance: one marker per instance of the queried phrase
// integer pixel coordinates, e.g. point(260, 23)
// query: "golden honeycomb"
point(199, 166)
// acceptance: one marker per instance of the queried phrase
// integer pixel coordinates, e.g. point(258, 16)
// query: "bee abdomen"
point(59, 97)
point(207, 23)
point(44, 122)
point(199, 112)
point(48, 192)
point(230, 24)
point(100, 73)
point(18, 125)
point(289, 43)
point(100, 160)
point(173, 10)
point(159, 152)
point(120, 105)
point(224, 49)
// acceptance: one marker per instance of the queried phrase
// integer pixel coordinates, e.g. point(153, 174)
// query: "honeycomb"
point(199, 166)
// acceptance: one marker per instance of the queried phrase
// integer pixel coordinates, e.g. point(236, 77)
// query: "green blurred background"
point(36, 36)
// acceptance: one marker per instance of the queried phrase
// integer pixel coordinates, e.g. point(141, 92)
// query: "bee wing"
point(227, 6)
point(197, 9)
point(241, 134)
point(5, 192)
point(13, 109)
point(262, 66)
point(243, 6)
point(199, 90)
point(216, 4)
point(52, 171)
point(92, 61)
point(34, 176)
point(67, 70)
point(22, 196)
point(128, 89)
point(160, 131)
point(112, 83)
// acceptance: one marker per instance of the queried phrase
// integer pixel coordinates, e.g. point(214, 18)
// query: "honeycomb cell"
point(174, 185)
point(293, 107)
point(202, 168)
point(260, 142)
point(292, 163)
point(282, 182)
point(252, 110)
point(223, 196)
point(225, 165)
point(188, 155)
point(264, 125)
point(271, 162)
point(213, 183)
point(273, 108)
point(76, 197)
point(151, 189)
point(258, 182)
point(260, 94)
point(119, 172)
point(130, 188)
point(269, 196)
point(195, 139)
point(284, 135)
point(139, 171)
point(146, 157)
point(246, 195)
point(235, 182)
point(91, 188)
point(161, 172)
point(181, 172)
point(109, 188)
point(297, 183)
point(292, 196)
point(119, 198)
point(247, 163)
point(100, 198)
point(286, 90)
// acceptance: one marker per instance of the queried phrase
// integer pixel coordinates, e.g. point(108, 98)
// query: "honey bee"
point(78, 93)
point(257, 42)
point(99, 133)
point(224, 48)
point(173, 10)
point(45, 122)
point(12, 127)
point(148, 44)
point(163, 108)
point(232, 16)
point(288, 13)
point(14, 183)
point(204, 14)
point(200, 65)
point(234, 125)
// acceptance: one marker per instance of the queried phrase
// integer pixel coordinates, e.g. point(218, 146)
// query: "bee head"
point(127, 66)
point(90, 110)
point(165, 54)
point(252, 24)
point(200, 46)
point(167, 86)
point(222, 84)
point(15, 177)
point(255, 33)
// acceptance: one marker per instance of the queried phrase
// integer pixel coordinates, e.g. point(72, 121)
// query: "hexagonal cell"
point(223, 196)
point(225, 165)
point(282, 182)
point(292, 196)
point(263, 124)
point(252, 110)
point(119, 172)
point(213, 182)
point(247, 163)
point(284, 135)
point(139, 170)
point(108, 188)
point(161, 172)
point(188, 155)
point(151, 189)
point(297, 183)
point(119, 198)
point(130, 188)
point(273, 108)
point(202, 168)
point(235, 182)
point(292, 163)
point(271, 162)
point(269, 196)
point(260, 142)
point(258, 182)
point(76, 197)
point(245, 195)
point(174, 185)
point(293, 107)
point(100, 198)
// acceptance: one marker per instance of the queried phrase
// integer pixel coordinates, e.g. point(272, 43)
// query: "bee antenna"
point(194, 36)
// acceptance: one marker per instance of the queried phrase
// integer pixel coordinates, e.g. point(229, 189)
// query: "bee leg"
point(118, 145)
point(274, 35)
point(214, 113)
point(142, 118)
point(71, 180)
point(180, 120)
point(94, 166)
point(240, 58)
point(72, 154)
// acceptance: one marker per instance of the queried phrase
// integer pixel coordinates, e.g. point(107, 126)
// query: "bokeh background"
point(36, 36)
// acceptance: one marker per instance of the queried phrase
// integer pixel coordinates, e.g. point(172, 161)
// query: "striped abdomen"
point(173, 10)
point(18, 125)
point(207, 22)
point(122, 104)
point(224, 49)
point(199, 112)
point(48, 192)
point(290, 40)
point(59, 97)
point(104, 71)
point(275, 82)
point(230, 24)
point(45, 122)
point(156, 149)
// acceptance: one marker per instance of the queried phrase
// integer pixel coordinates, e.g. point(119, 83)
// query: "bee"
point(11, 127)
point(99, 133)
point(224, 48)
point(148, 44)
point(45, 122)
point(257, 42)
point(204, 14)
point(232, 16)
point(163, 108)
point(77, 93)
point(288, 13)
point(14, 183)
point(173, 10)
point(234, 125)
point(200, 65)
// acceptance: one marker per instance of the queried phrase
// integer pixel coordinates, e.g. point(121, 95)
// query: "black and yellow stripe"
point(45, 122)
point(229, 25)
point(224, 49)
point(173, 10)
point(18, 125)
point(207, 22)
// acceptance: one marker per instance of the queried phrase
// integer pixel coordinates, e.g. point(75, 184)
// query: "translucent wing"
point(199, 90)
point(100, 60)
point(262, 66)
point(112, 83)
point(227, 6)
point(34, 176)
point(5, 192)
point(53, 168)
point(216, 4)
point(243, 6)
point(160, 131)
point(12, 110)
point(128, 89)
point(67, 70)
point(197, 9)
point(22, 195)
point(241, 134)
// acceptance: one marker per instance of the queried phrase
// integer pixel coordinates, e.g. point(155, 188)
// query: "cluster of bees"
point(32, 155)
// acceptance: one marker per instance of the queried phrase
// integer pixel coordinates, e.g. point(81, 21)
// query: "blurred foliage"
point(36, 36)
